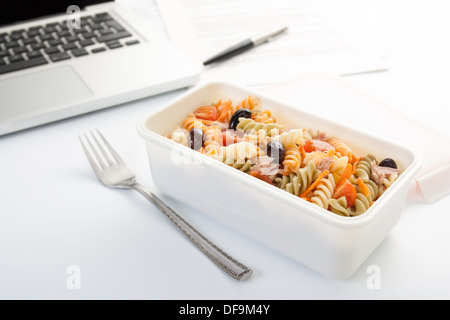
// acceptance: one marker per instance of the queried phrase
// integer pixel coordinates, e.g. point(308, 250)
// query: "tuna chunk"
point(380, 173)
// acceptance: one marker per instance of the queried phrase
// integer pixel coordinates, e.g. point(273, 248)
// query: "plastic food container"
point(332, 245)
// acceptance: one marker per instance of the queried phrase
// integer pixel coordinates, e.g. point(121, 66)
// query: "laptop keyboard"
point(39, 45)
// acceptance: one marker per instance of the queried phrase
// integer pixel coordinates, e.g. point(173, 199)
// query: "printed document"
point(314, 42)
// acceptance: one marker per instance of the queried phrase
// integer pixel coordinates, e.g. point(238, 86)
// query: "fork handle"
point(232, 267)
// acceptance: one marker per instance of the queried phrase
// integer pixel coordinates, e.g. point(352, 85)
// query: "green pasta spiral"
point(363, 169)
point(296, 183)
point(339, 206)
point(250, 126)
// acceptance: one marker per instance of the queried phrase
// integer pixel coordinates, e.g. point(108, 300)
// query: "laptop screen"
point(19, 10)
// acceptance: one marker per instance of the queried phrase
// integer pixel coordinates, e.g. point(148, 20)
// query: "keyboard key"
point(114, 24)
point(2, 61)
point(79, 52)
point(4, 53)
point(114, 44)
point(102, 17)
point(96, 26)
point(52, 24)
point(35, 28)
point(20, 31)
point(63, 26)
point(86, 43)
point(72, 39)
point(49, 29)
point(64, 33)
point(60, 56)
point(38, 46)
point(33, 33)
point(105, 32)
point(30, 40)
point(47, 37)
point(33, 54)
point(85, 20)
point(114, 36)
point(54, 43)
point(51, 51)
point(132, 42)
point(97, 50)
point(16, 58)
point(22, 65)
point(20, 50)
point(69, 46)
point(89, 35)
point(80, 31)
point(12, 44)
point(16, 36)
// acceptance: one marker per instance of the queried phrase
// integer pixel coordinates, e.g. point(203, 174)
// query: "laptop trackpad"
point(39, 92)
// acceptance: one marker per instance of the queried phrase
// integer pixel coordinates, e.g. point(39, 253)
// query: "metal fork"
point(112, 171)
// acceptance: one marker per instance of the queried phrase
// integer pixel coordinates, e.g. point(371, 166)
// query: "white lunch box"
point(328, 243)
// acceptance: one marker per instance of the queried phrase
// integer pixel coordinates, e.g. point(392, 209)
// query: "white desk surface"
point(55, 214)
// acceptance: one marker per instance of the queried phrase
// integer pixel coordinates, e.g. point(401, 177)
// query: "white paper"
point(203, 28)
point(148, 10)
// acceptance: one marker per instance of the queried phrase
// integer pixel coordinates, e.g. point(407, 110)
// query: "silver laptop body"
point(106, 55)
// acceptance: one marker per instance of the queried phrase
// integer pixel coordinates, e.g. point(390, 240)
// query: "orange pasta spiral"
point(264, 117)
point(192, 122)
point(341, 147)
point(292, 160)
point(212, 140)
point(249, 103)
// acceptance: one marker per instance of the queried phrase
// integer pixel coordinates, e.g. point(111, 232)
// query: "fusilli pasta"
point(250, 126)
point(292, 160)
point(304, 162)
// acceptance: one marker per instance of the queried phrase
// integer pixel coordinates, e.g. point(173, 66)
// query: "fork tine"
point(111, 150)
point(95, 152)
point(100, 146)
point(88, 154)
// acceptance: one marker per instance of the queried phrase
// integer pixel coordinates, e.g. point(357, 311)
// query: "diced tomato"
point(348, 191)
point(257, 174)
point(309, 147)
point(206, 113)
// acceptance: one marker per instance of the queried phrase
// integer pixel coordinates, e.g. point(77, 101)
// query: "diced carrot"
point(307, 199)
point(345, 175)
point(225, 110)
point(355, 163)
point(302, 153)
point(364, 188)
point(218, 103)
point(315, 183)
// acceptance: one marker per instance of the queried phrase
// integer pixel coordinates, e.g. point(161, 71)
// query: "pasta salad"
point(306, 163)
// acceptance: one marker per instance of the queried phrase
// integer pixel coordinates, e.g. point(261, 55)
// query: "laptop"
point(62, 58)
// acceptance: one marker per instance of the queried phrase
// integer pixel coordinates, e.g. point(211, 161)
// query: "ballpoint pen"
point(244, 45)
